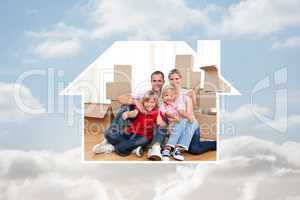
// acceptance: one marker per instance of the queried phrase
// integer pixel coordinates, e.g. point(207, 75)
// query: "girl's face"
point(175, 80)
point(169, 96)
point(150, 105)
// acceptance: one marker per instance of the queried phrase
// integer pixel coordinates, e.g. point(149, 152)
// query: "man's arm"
point(126, 99)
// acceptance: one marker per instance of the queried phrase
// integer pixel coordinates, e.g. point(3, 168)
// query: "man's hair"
point(158, 73)
point(174, 71)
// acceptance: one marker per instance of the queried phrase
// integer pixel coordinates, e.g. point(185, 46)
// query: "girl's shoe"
point(177, 154)
point(166, 155)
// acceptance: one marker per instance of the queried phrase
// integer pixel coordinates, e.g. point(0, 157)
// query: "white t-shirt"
point(182, 99)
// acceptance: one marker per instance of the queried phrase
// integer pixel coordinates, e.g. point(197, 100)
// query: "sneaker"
point(139, 151)
point(166, 155)
point(105, 148)
point(154, 153)
point(177, 154)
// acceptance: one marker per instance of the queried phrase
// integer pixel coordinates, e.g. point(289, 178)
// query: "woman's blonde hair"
point(174, 71)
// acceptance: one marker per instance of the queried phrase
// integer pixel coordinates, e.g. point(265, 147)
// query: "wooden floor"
point(91, 139)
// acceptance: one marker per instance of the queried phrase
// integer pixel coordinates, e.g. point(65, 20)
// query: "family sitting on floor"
point(161, 120)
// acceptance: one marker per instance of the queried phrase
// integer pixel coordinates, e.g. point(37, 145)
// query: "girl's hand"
point(190, 118)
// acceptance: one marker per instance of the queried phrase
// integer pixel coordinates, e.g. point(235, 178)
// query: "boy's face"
point(169, 96)
point(150, 105)
point(157, 82)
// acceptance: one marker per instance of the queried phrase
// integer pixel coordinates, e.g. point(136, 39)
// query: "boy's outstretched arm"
point(130, 114)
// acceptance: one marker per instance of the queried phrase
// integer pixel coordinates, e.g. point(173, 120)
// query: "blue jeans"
point(124, 143)
point(182, 134)
point(196, 146)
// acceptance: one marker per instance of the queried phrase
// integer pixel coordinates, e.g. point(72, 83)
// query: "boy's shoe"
point(154, 153)
point(166, 155)
point(139, 151)
point(103, 147)
point(177, 154)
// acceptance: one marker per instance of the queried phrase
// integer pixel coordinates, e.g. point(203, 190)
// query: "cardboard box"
point(211, 78)
point(223, 86)
point(122, 73)
point(206, 99)
point(97, 118)
point(115, 89)
point(184, 61)
point(115, 105)
point(208, 125)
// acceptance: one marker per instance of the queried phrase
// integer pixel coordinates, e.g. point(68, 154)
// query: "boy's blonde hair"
point(150, 95)
point(168, 88)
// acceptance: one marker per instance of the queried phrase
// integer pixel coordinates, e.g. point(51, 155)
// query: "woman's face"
point(175, 80)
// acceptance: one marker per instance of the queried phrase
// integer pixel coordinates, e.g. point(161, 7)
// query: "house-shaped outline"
point(89, 79)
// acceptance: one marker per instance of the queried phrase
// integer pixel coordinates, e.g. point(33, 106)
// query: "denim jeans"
point(198, 147)
point(182, 133)
point(124, 143)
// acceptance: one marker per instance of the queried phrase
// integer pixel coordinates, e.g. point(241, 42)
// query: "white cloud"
point(141, 19)
point(250, 169)
point(61, 41)
point(246, 112)
point(16, 111)
point(258, 17)
point(159, 20)
point(54, 49)
point(289, 42)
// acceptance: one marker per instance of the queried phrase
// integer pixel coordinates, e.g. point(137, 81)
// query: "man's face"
point(157, 82)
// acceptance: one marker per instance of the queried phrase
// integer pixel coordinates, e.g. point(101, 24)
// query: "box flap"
point(95, 110)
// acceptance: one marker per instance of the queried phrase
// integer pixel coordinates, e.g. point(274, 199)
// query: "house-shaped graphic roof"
point(138, 59)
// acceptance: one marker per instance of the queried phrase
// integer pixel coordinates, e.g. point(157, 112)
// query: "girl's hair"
point(150, 95)
point(167, 88)
point(174, 71)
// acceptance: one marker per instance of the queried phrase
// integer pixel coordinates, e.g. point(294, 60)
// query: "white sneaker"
point(166, 155)
point(139, 151)
point(105, 148)
point(154, 153)
point(177, 154)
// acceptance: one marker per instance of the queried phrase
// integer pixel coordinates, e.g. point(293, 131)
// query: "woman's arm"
point(192, 94)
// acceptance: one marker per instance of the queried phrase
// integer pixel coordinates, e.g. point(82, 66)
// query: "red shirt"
point(143, 124)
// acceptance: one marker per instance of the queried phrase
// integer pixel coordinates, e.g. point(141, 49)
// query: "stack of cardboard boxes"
point(120, 86)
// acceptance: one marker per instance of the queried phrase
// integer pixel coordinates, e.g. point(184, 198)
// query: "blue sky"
point(253, 47)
